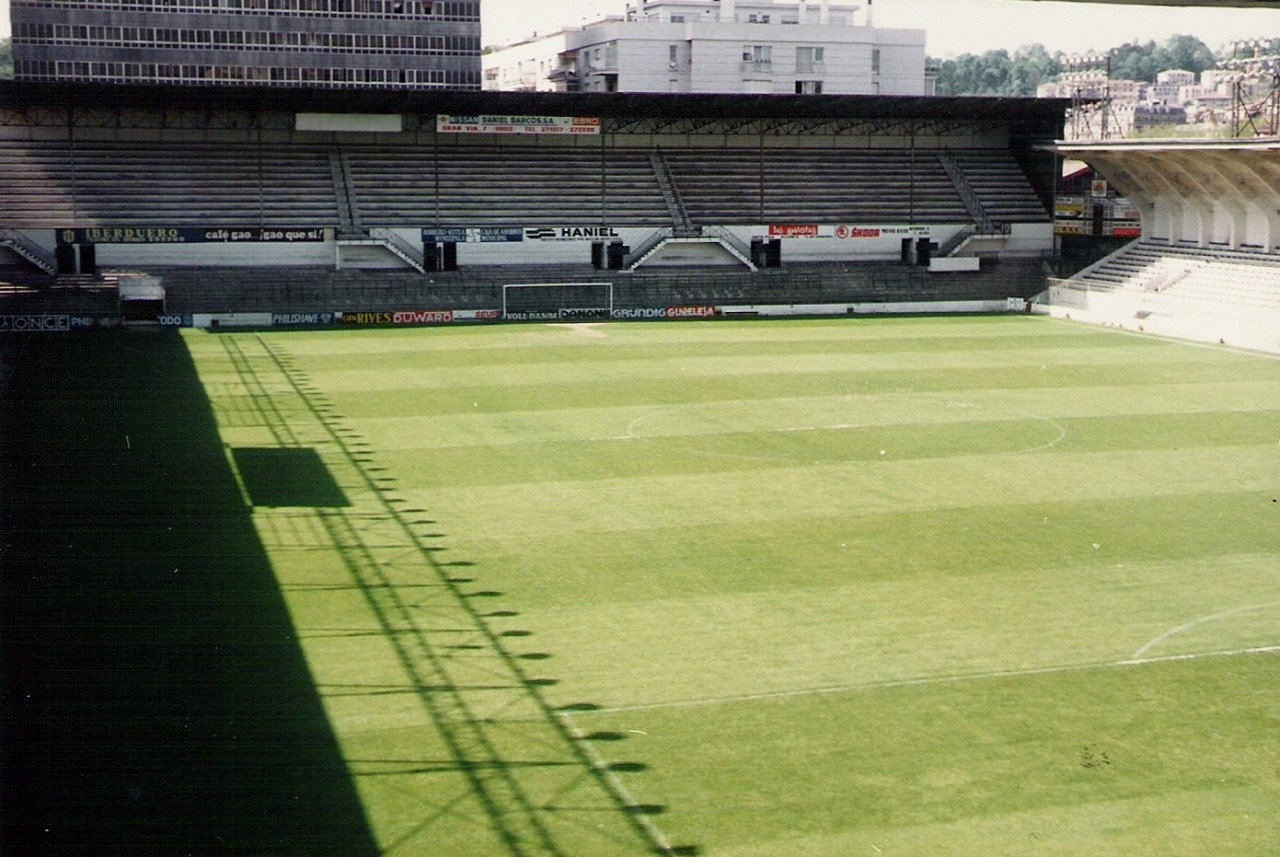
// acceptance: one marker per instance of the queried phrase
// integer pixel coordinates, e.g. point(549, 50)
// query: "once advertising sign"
point(47, 323)
point(35, 323)
point(186, 235)
point(494, 124)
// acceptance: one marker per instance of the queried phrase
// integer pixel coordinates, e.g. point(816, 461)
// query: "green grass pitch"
point(902, 586)
point(924, 586)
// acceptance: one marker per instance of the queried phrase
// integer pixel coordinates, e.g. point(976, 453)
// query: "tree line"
point(1001, 73)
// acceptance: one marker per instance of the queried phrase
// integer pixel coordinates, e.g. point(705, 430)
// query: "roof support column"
point(1176, 215)
point(1146, 214)
point(1269, 220)
point(1203, 213)
point(1238, 222)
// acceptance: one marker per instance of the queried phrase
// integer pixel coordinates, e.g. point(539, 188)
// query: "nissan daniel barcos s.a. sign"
point(494, 124)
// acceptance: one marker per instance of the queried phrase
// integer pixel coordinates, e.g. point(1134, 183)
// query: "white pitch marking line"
point(1062, 434)
point(1186, 626)
point(956, 679)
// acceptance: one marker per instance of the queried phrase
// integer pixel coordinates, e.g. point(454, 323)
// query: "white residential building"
point(1168, 86)
point(805, 47)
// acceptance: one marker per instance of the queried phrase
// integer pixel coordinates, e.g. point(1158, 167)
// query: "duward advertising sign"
point(417, 316)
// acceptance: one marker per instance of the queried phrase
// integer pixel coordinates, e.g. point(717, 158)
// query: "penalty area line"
point(931, 680)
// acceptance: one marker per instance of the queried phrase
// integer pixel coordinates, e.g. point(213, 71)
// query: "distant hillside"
point(1001, 73)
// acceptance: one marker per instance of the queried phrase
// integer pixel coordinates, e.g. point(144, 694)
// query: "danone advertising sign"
point(187, 235)
point(500, 124)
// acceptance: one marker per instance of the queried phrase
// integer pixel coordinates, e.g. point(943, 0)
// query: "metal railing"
point(26, 247)
point(733, 242)
point(684, 227)
point(399, 246)
point(967, 194)
point(648, 246)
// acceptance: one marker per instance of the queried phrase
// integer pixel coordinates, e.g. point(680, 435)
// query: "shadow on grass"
point(279, 476)
point(155, 698)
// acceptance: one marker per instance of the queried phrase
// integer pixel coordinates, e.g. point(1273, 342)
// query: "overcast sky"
point(953, 26)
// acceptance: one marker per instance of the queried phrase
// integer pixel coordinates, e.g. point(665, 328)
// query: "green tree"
point(1186, 52)
point(6, 58)
point(997, 72)
point(1133, 61)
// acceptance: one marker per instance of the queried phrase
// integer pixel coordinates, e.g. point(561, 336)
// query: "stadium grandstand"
point(244, 202)
point(251, 205)
point(938, 585)
point(1207, 266)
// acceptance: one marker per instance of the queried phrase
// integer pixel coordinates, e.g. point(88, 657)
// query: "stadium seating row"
point(1213, 274)
point(53, 184)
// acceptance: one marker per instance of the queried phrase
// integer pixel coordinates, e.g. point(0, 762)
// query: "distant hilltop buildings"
point(1177, 98)
point(731, 46)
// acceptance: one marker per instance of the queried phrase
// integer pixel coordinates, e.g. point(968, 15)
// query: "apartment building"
point(806, 47)
point(407, 44)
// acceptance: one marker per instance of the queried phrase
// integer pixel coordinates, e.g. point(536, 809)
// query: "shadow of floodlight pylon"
point(535, 780)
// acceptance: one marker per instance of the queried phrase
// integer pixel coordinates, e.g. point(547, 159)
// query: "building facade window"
point(809, 59)
point(758, 57)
